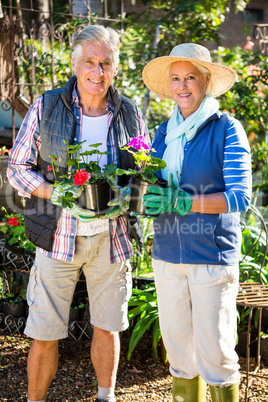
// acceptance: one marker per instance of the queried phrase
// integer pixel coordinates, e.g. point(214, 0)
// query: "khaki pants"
point(52, 283)
point(197, 310)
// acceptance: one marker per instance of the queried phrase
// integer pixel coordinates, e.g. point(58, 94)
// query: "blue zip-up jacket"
point(202, 238)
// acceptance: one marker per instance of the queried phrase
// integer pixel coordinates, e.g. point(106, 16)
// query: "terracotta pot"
point(139, 188)
point(95, 197)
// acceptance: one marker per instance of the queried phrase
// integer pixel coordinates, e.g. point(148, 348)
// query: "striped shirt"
point(23, 176)
point(237, 169)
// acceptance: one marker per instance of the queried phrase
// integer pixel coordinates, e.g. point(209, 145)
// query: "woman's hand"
point(167, 199)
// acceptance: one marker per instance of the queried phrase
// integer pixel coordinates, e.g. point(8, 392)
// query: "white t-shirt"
point(94, 131)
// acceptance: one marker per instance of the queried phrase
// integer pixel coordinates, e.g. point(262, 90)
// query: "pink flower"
point(13, 221)
point(139, 143)
point(81, 176)
point(49, 168)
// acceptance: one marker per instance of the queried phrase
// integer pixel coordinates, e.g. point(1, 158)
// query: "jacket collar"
point(69, 96)
point(215, 116)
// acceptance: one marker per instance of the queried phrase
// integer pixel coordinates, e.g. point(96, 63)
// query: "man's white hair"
point(97, 34)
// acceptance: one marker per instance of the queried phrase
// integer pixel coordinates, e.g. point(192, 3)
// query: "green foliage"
point(153, 33)
point(143, 308)
point(77, 163)
point(14, 231)
point(14, 299)
point(40, 64)
point(242, 314)
point(3, 286)
point(75, 306)
point(253, 261)
point(143, 305)
point(142, 262)
point(78, 160)
point(259, 157)
point(147, 165)
point(247, 100)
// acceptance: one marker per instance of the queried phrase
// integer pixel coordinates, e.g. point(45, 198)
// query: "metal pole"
point(12, 70)
point(52, 42)
point(147, 91)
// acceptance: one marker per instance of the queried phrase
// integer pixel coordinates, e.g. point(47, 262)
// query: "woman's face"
point(188, 86)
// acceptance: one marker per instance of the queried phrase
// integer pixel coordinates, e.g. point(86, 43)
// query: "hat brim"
point(156, 79)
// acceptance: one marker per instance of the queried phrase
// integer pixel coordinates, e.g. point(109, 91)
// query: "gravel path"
point(140, 379)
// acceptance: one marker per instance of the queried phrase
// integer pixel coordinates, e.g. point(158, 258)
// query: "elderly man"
point(87, 109)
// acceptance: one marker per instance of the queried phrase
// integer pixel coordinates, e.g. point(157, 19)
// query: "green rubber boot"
point(193, 390)
point(227, 394)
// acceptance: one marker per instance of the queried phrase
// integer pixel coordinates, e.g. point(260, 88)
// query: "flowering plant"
point(80, 172)
point(14, 231)
point(147, 164)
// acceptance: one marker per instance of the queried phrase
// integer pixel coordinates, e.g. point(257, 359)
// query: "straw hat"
point(156, 78)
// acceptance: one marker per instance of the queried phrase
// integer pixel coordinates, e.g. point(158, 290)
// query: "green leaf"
point(67, 200)
point(140, 328)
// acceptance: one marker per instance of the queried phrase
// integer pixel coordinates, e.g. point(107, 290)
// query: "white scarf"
point(180, 132)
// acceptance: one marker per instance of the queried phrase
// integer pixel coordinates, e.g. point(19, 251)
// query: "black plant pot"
point(14, 308)
point(265, 319)
point(139, 188)
point(141, 283)
point(75, 314)
point(95, 196)
point(264, 350)
point(241, 347)
point(15, 249)
point(73, 328)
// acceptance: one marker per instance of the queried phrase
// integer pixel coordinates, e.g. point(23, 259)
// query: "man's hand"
point(83, 214)
point(120, 203)
point(71, 193)
point(167, 199)
point(61, 191)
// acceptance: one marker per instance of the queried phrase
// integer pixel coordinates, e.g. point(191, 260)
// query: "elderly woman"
point(197, 234)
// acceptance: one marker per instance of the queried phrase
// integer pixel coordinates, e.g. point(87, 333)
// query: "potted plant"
point(15, 306)
point(94, 181)
point(145, 173)
point(13, 231)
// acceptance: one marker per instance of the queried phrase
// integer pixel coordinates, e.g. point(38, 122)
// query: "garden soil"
point(140, 379)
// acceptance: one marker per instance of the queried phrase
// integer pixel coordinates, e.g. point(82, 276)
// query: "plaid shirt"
point(22, 176)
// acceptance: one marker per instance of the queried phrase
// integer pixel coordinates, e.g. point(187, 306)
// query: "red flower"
point(49, 168)
point(81, 176)
point(13, 221)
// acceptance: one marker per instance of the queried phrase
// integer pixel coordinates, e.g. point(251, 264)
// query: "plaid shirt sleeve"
point(21, 171)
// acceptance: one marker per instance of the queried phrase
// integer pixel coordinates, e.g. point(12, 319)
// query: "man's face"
point(95, 69)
